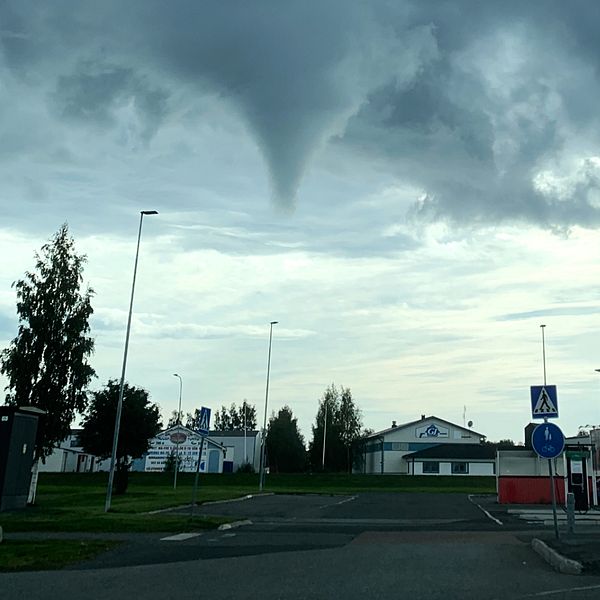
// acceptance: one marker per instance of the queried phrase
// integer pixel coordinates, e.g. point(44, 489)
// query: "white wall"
point(475, 468)
point(236, 443)
point(432, 430)
point(54, 463)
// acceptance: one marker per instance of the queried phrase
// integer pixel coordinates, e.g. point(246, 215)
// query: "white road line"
point(247, 497)
point(180, 537)
point(485, 512)
point(561, 591)
point(340, 502)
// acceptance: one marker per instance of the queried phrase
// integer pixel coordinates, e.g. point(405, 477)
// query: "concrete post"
point(570, 513)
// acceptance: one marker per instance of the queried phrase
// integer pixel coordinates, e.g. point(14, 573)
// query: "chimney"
point(394, 424)
point(422, 417)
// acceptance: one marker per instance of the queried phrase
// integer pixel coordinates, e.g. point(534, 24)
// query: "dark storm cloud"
point(468, 102)
point(94, 91)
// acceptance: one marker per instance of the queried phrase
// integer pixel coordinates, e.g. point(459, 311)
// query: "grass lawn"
point(48, 554)
point(75, 501)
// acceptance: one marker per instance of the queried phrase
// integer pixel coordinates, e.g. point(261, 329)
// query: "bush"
point(246, 468)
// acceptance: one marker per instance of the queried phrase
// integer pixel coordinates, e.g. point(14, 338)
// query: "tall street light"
point(324, 434)
point(113, 457)
point(178, 433)
point(261, 478)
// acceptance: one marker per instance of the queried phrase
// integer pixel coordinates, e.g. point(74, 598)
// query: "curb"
point(233, 525)
point(560, 563)
point(237, 499)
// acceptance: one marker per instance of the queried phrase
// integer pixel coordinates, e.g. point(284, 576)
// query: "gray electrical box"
point(18, 434)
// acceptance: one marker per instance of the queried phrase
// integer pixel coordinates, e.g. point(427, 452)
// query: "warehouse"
point(392, 450)
point(185, 443)
point(453, 459)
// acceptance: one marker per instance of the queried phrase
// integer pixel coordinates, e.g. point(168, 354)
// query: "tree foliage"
point(233, 419)
point(285, 445)
point(47, 363)
point(140, 421)
point(344, 422)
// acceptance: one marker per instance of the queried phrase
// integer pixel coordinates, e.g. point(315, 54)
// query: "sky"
point(410, 189)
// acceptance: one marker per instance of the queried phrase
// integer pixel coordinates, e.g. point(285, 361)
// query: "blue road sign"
point(544, 402)
point(548, 440)
point(204, 423)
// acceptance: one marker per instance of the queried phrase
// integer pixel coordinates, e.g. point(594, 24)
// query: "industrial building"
point(185, 443)
point(426, 446)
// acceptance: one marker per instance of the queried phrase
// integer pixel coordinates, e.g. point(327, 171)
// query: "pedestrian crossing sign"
point(544, 402)
point(204, 421)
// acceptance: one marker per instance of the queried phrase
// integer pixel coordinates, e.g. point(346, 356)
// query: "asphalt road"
point(413, 546)
point(410, 509)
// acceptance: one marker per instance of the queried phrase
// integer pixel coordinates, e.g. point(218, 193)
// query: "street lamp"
point(324, 434)
point(113, 456)
point(261, 478)
point(177, 436)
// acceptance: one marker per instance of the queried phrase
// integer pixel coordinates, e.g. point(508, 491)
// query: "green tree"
point(344, 422)
point(47, 363)
point(285, 445)
point(176, 417)
point(140, 421)
point(232, 419)
point(349, 423)
point(171, 461)
point(250, 416)
point(223, 419)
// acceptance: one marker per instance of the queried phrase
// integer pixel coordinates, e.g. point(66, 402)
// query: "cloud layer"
point(488, 112)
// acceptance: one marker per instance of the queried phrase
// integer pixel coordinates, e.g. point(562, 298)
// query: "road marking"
point(234, 524)
point(180, 537)
point(485, 512)
point(246, 497)
point(562, 591)
point(340, 502)
point(229, 535)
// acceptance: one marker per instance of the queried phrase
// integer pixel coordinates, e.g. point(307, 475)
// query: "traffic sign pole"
point(551, 472)
point(195, 490)
point(203, 429)
point(548, 442)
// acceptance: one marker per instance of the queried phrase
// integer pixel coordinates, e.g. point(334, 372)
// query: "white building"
point(180, 440)
point(241, 448)
point(399, 449)
point(69, 457)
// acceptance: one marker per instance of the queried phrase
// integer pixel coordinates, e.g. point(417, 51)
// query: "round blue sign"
point(548, 440)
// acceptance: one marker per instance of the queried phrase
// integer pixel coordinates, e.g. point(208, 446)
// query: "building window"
point(431, 467)
point(460, 468)
point(399, 446)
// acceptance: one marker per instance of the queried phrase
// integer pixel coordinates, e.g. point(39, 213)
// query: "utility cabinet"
point(18, 434)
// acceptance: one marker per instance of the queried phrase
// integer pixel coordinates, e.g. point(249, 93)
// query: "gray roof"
point(456, 451)
point(232, 433)
point(403, 425)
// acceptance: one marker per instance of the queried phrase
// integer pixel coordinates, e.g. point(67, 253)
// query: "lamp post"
point(113, 456)
point(324, 434)
point(178, 423)
point(543, 327)
point(261, 477)
point(245, 405)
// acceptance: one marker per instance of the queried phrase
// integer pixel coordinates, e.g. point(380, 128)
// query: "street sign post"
point(204, 421)
point(544, 402)
point(548, 442)
point(203, 429)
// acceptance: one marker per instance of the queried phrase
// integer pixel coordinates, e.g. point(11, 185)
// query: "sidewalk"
point(582, 547)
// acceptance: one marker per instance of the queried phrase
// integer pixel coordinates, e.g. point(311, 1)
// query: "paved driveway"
point(393, 509)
